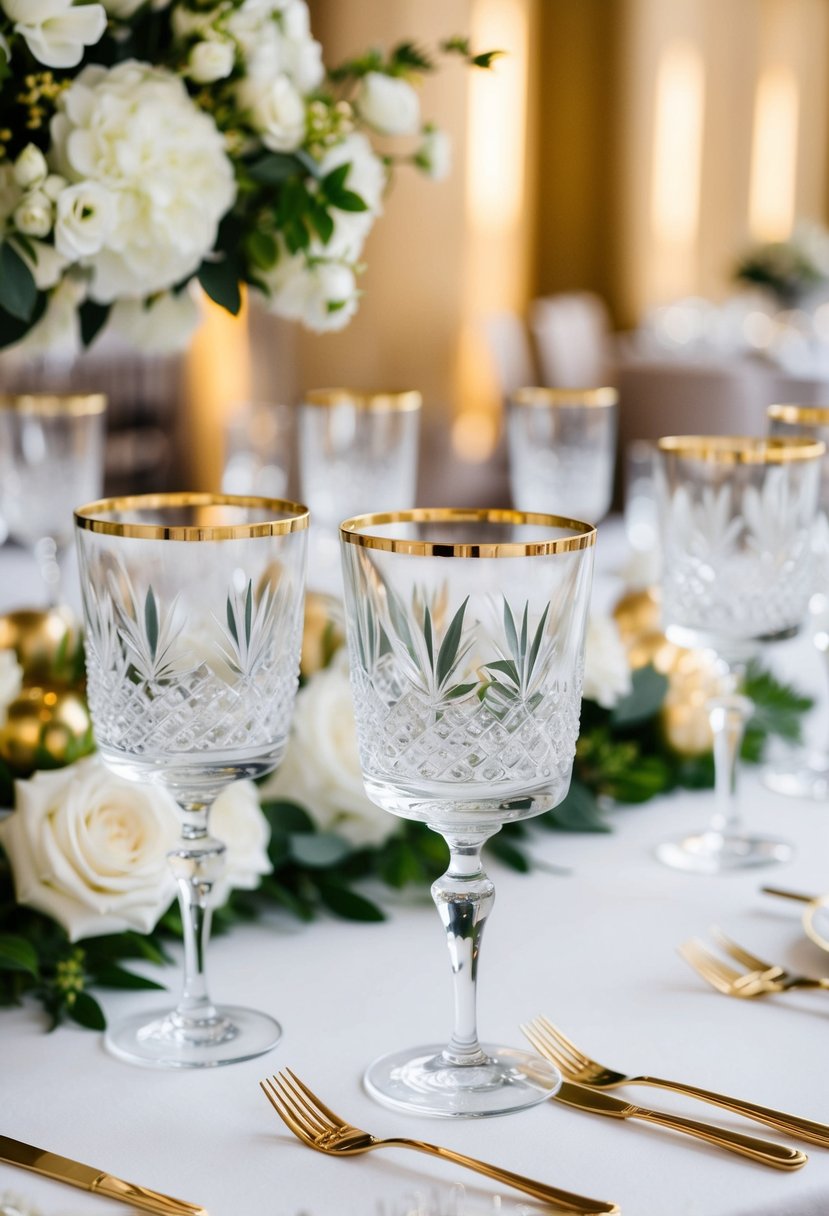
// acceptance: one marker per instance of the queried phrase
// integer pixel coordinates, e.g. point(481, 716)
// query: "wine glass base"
point(162, 1040)
point(715, 853)
point(804, 776)
point(422, 1081)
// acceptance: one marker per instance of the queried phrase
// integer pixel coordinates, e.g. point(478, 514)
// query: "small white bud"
point(211, 60)
point(30, 168)
point(33, 216)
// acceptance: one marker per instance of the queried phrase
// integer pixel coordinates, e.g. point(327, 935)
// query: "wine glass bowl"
point(51, 459)
point(736, 520)
point(466, 638)
point(562, 450)
point(193, 609)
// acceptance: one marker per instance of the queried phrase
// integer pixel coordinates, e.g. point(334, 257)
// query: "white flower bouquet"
point(147, 146)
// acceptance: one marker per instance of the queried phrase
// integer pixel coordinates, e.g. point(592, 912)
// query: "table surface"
point(594, 948)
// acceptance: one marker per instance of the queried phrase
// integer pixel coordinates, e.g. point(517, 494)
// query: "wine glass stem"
point(728, 716)
point(196, 864)
point(463, 897)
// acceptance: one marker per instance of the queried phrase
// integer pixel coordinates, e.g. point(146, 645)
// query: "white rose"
point(211, 60)
point(56, 31)
point(30, 168)
point(367, 177)
point(606, 668)
point(389, 104)
point(135, 131)
point(44, 261)
point(85, 217)
point(34, 215)
point(321, 766)
point(434, 156)
point(164, 325)
point(237, 820)
point(276, 110)
point(11, 680)
point(58, 332)
point(90, 849)
point(322, 295)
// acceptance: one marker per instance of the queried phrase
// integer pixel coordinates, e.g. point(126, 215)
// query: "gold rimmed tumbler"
point(357, 452)
point(193, 606)
point(737, 515)
point(562, 450)
point(51, 458)
point(466, 641)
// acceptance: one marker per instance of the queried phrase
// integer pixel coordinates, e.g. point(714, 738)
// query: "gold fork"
point(577, 1066)
point(318, 1127)
point(758, 977)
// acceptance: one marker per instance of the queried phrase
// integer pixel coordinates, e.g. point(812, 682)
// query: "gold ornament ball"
point(47, 725)
point(637, 613)
point(39, 639)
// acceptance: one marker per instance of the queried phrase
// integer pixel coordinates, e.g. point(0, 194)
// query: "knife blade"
point(64, 1169)
point(766, 1152)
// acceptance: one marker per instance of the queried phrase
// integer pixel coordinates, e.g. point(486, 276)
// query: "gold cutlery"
point(799, 896)
point(765, 1152)
point(759, 977)
point(64, 1169)
point(577, 1066)
point(316, 1125)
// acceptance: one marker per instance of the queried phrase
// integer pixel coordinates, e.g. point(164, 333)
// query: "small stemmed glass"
point(806, 774)
point(356, 450)
point(466, 641)
point(51, 458)
point(562, 450)
point(193, 607)
point(736, 516)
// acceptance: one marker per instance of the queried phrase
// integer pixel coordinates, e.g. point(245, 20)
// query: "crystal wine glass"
point(806, 774)
point(193, 606)
point(51, 458)
point(562, 449)
point(356, 451)
point(737, 516)
point(466, 640)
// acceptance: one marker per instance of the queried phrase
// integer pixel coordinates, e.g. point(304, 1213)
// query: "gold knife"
point(766, 1152)
point(52, 1165)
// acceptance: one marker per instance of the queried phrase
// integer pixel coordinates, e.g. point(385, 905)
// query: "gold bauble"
point(324, 632)
point(637, 613)
point(42, 640)
point(46, 726)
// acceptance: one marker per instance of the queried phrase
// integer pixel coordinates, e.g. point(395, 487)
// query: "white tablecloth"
point(594, 949)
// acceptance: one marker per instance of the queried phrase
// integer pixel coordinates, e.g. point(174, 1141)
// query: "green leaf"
point(348, 903)
point(275, 168)
point(93, 318)
point(262, 249)
point(321, 221)
point(118, 977)
point(18, 290)
point(86, 1011)
point(318, 850)
point(348, 200)
point(286, 816)
point(151, 620)
point(578, 812)
point(450, 645)
point(644, 699)
point(409, 56)
point(18, 954)
point(12, 329)
point(220, 279)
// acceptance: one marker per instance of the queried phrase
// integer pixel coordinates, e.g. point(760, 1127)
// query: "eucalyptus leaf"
point(348, 904)
point(644, 699)
point(118, 977)
point(151, 621)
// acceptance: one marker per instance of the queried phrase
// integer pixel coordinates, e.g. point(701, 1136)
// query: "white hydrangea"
point(135, 132)
point(366, 177)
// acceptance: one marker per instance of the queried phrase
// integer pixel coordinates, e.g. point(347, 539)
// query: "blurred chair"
point(572, 334)
point(508, 342)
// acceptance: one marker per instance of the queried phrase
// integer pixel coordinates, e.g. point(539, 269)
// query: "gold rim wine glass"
point(466, 641)
point(193, 606)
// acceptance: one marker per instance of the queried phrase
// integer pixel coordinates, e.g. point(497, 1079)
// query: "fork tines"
point(550, 1042)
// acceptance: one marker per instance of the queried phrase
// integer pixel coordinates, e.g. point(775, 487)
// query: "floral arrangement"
point(148, 146)
point(791, 270)
point(84, 883)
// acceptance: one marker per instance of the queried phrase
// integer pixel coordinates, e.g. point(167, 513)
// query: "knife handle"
point(793, 1125)
point(142, 1197)
point(779, 1156)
